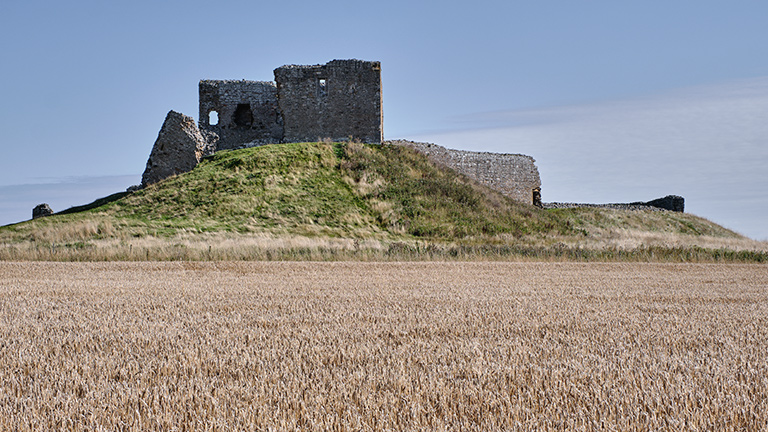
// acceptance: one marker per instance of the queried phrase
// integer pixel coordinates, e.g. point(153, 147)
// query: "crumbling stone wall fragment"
point(513, 175)
point(178, 149)
point(41, 210)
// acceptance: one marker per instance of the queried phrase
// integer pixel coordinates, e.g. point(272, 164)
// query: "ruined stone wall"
point(674, 203)
point(178, 149)
point(338, 100)
point(247, 113)
point(513, 175)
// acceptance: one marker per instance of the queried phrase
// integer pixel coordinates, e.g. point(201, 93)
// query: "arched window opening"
point(213, 118)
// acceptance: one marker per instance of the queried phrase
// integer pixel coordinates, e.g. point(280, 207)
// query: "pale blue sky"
point(86, 85)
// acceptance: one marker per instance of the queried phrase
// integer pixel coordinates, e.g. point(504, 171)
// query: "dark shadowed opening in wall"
point(243, 116)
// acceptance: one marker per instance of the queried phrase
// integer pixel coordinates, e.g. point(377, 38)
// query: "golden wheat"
point(383, 346)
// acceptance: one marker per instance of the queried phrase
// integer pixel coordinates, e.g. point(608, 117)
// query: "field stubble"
point(378, 346)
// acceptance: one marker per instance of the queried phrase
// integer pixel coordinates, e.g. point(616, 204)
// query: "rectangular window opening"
point(322, 86)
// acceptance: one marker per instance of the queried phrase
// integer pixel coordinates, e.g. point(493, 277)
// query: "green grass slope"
point(383, 196)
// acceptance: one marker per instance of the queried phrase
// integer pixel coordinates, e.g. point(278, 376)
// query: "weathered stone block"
point(178, 149)
point(41, 210)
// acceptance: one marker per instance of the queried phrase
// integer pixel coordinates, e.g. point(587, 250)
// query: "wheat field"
point(176, 346)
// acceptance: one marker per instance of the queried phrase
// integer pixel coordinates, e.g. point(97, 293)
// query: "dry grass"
point(196, 247)
point(628, 239)
point(383, 346)
point(617, 245)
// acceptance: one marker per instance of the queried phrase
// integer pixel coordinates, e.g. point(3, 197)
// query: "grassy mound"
point(338, 197)
point(314, 189)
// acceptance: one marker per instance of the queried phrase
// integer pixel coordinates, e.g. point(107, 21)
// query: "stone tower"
point(339, 100)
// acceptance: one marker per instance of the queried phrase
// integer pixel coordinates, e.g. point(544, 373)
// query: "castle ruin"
point(338, 101)
point(236, 112)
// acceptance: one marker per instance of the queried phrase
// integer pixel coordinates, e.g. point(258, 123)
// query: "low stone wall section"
point(636, 207)
point(673, 203)
point(513, 175)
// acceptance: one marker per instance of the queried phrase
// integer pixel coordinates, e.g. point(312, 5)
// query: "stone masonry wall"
point(338, 100)
point(513, 175)
point(178, 149)
point(247, 113)
point(674, 203)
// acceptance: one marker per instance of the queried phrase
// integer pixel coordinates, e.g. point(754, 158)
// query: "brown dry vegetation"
point(616, 245)
point(383, 346)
